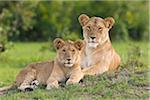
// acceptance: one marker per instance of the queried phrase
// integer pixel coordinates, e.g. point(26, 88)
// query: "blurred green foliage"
point(43, 20)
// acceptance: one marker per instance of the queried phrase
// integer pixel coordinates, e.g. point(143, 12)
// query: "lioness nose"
point(68, 59)
point(92, 37)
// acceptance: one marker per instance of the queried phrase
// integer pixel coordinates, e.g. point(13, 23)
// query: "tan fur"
point(39, 71)
point(62, 70)
point(51, 72)
point(98, 54)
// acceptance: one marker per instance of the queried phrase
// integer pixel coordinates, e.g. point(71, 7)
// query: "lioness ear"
point(58, 43)
point(83, 19)
point(109, 21)
point(79, 44)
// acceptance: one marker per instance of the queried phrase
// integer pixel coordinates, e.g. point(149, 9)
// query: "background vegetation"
point(26, 27)
point(37, 20)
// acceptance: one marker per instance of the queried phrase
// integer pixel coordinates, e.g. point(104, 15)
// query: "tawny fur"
point(98, 55)
point(39, 71)
point(51, 72)
point(62, 72)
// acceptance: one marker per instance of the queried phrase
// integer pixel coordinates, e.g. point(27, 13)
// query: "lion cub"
point(66, 63)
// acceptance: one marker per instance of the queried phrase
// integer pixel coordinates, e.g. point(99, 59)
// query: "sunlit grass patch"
point(130, 81)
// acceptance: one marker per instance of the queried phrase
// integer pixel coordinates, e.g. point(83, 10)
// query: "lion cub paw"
point(49, 87)
point(34, 84)
point(70, 82)
point(52, 85)
point(25, 88)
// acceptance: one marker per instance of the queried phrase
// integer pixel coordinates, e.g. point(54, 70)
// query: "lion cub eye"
point(100, 28)
point(73, 50)
point(64, 50)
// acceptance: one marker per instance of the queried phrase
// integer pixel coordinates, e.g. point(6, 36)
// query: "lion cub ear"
point(79, 44)
point(83, 19)
point(58, 43)
point(109, 21)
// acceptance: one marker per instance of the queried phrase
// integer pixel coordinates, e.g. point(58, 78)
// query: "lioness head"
point(68, 52)
point(95, 29)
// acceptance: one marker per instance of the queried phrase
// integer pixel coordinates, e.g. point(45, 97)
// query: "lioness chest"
point(86, 61)
point(90, 58)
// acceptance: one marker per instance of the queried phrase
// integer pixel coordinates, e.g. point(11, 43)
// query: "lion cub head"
point(68, 52)
point(95, 29)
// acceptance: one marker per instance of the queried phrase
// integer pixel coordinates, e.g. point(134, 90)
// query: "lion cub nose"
point(92, 37)
point(69, 59)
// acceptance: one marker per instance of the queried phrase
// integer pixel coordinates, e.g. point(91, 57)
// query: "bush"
point(43, 20)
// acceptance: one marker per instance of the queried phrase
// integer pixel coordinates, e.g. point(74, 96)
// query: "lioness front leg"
point(96, 69)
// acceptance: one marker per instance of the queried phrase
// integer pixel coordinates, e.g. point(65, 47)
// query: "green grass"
point(130, 81)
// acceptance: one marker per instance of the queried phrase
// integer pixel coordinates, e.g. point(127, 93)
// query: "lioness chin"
point(66, 65)
point(98, 55)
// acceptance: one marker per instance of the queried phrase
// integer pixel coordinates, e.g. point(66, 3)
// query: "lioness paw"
point(85, 71)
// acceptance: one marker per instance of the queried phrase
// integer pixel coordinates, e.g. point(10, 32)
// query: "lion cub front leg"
point(75, 78)
point(52, 83)
point(56, 76)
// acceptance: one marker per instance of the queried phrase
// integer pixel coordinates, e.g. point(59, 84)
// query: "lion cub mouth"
point(68, 64)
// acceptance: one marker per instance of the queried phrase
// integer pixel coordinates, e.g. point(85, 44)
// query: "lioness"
point(66, 65)
point(98, 54)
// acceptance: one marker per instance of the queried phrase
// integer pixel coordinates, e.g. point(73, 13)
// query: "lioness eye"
point(88, 28)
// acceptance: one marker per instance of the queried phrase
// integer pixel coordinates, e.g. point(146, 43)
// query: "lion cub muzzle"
point(68, 51)
point(68, 63)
